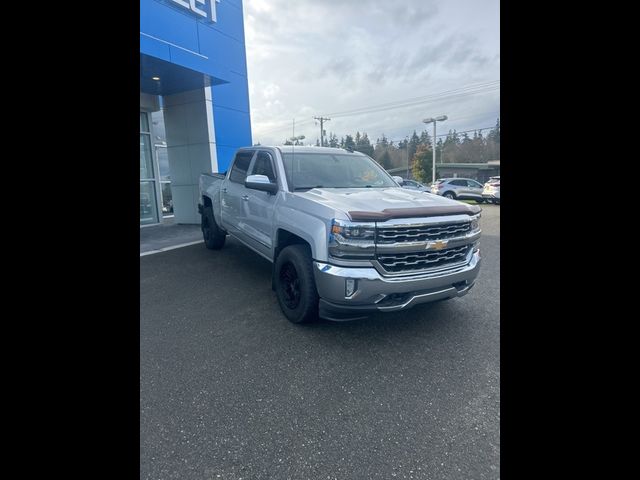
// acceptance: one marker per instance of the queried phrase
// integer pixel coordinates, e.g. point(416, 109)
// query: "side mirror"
point(399, 180)
point(261, 182)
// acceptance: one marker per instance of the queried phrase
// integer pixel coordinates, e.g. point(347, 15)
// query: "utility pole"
point(406, 145)
point(322, 120)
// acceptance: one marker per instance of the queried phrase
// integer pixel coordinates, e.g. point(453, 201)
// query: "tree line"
point(418, 148)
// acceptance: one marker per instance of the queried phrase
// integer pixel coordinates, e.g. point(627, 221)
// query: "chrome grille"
point(423, 260)
point(421, 233)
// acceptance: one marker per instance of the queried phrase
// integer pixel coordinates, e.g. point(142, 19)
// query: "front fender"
point(311, 229)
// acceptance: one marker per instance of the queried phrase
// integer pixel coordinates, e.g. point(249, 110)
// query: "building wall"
point(481, 175)
point(175, 34)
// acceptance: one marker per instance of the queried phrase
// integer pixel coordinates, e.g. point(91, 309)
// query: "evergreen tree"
point(423, 139)
point(349, 144)
point(363, 144)
point(422, 164)
point(494, 134)
point(385, 160)
point(414, 141)
point(383, 142)
point(439, 150)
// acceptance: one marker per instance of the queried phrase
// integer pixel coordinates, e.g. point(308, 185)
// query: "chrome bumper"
point(388, 294)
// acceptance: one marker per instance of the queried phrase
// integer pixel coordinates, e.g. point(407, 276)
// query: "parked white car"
point(491, 191)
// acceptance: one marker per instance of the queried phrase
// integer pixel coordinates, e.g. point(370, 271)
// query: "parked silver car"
point(458, 189)
point(413, 185)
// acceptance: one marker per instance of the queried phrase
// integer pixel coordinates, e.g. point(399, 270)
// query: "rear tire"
point(295, 284)
point(450, 195)
point(214, 237)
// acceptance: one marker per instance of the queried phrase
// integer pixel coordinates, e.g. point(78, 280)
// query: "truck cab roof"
point(304, 149)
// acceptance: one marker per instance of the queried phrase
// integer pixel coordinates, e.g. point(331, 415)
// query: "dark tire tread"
point(300, 256)
point(216, 236)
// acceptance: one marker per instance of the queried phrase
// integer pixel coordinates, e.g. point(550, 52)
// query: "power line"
point(425, 97)
point(450, 133)
point(411, 104)
point(392, 107)
point(446, 95)
point(470, 89)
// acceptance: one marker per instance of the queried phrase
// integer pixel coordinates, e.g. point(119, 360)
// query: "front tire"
point(214, 237)
point(295, 284)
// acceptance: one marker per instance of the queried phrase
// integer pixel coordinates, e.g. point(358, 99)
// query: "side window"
point(264, 166)
point(474, 184)
point(240, 167)
point(458, 183)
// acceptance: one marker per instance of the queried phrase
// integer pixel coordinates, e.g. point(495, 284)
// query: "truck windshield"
point(329, 170)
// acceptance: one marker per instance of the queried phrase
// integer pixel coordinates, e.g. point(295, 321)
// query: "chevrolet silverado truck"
point(344, 239)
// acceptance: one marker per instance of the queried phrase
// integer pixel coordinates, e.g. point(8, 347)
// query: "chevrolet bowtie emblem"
point(437, 245)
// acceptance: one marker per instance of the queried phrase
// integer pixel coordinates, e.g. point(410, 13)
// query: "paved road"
point(229, 389)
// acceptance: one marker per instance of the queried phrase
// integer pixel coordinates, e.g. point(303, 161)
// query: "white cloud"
point(309, 57)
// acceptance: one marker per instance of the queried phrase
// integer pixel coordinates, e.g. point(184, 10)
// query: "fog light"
point(350, 287)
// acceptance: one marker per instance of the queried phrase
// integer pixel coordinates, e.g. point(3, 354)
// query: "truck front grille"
point(421, 233)
point(407, 262)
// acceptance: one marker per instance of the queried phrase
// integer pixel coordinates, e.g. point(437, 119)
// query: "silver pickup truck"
point(344, 238)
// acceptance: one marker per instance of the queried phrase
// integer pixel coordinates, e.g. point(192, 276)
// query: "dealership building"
point(194, 101)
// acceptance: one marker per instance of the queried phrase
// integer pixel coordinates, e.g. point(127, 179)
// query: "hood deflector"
point(390, 213)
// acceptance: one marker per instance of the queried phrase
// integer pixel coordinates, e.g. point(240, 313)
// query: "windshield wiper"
point(306, 188)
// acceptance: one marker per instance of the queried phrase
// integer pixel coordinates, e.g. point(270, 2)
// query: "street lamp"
point(406, 146)
point(441, 118)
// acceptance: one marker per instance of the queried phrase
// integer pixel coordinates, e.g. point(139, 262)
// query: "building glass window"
point(148, 194)
point(148, 204)
point(146, 159)
point(167, 199)
point(162, 157)
point(144, 123)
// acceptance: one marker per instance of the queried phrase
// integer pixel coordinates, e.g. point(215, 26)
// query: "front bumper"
point(375, 293)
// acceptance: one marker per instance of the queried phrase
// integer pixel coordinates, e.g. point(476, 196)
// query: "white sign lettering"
point(195, 7)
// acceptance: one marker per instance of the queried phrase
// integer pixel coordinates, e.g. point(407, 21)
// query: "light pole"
point(406, 145)
point(441, 118)
point(293, 140)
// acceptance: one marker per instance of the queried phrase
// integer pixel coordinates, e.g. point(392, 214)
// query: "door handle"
point(245, 197)
point(224, 190)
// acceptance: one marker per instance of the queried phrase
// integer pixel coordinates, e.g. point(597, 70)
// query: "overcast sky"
point(309, 58)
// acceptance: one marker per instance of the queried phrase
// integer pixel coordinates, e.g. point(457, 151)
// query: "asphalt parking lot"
point(229, 389)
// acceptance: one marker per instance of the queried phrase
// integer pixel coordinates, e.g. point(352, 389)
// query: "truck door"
point(261, 206)
point(234, 194)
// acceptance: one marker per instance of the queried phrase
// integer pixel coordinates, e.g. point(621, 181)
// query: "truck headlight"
point(475, 223)
point(352, 240)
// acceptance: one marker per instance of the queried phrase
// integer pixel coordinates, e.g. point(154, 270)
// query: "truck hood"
point(380, 204)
